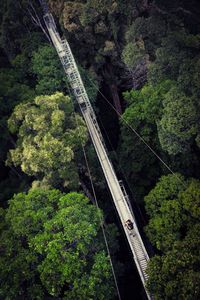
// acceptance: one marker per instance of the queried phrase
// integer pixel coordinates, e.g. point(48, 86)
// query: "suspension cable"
point(121, 170)
point(102, 226)
point(96, 201)
point(136, 133)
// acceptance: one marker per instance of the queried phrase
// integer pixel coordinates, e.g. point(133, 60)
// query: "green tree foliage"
point(165, 211)
point(167, 119)
point(12, 92)
point(48, 136)
point(133, 54)
point(51, 245)
point(22, 62)
point(169, 205)
point(173, 207)
point(166, 189)
point(176, 116)
point(17, 83)
point(12, 27)
point(49, 72)
point(51, 76)
point(163, 40)
point(17, 29)
point(179, 125)
point(97, 27)
point(176, 275)
point(177, 50)
point(142, 39)
point(93, 23)
point(90, 84)
point(188, 79)
point(144, 109)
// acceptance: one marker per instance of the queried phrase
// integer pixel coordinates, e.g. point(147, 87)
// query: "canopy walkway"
point(116, 187)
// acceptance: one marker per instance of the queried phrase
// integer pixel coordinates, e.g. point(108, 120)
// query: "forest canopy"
point(140, 57)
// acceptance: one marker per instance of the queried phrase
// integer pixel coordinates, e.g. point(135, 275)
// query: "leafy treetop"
point(51, 245)
point(48, 136)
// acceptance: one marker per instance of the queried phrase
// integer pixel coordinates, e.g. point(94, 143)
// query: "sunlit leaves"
point(48, 135)
point(133, 54)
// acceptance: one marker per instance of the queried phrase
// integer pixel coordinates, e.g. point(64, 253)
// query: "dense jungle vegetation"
point(144, 56)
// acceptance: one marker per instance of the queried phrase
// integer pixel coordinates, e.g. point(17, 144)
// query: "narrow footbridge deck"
point(116, 188)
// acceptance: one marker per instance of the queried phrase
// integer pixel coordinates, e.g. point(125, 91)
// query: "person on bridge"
point(129, 224)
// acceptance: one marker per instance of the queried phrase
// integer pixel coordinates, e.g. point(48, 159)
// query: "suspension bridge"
point(116, 187)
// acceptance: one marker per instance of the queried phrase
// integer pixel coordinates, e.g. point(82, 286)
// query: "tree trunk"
point(111, 81)
point(86, 191)
point(115, 96)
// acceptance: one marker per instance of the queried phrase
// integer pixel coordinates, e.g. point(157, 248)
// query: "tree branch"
point(36, 20)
